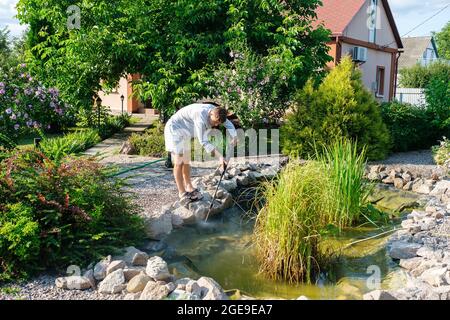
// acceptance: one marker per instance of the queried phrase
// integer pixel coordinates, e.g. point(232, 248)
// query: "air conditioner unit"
point(359, 54)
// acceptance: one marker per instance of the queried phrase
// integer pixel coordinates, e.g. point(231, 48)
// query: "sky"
point(407, 13)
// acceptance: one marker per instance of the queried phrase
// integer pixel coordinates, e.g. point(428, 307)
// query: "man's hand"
point(223, 163)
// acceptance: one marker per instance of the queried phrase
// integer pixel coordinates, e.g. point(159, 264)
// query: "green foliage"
point(441, 153)
point(437, 96)
point(151, 142)
point(69, 144)
point(60, 213)
point(420, 76)
point(443, 42)
point(102, 119)
point(340, 107)
point(410, 126)
point(174, 45)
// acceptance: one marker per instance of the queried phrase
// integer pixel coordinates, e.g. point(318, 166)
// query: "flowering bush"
point(441, 153)
point(25, 104)
point(255, 88)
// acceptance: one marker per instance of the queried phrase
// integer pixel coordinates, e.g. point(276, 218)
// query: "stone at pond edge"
point(211, 290)
point(130, 273)
point(113, 283)
point(157, 268)
point(403, 250)
point(134, 257)
point(154, 291)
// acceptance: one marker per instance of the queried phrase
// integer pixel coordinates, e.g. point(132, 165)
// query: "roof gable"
point(337, 15)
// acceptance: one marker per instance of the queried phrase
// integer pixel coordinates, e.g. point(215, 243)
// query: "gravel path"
point(420, 162)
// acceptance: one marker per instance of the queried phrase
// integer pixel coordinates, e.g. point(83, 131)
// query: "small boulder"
point(100, 268)
point(434, 276)
point(132, 272)
point(113, 283)
point(115, 265)
point(73, 283)
point(138, 283)
point(157, 268)
point(159, 225)
point(403, 250)
point(210, 289)
point(154, 291)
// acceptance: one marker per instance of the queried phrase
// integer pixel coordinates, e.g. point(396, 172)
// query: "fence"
point(414, 96)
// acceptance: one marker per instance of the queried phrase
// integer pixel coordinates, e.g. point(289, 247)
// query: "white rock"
point(100, 268)
point(302, 298)
point(157, 268)
point(434, 276)
point(430, 253)
point(210, 289)
point(154, 291)
point(193, 287)
point(73, 283)
point(410, 264)
point(113, 283)
point(115, 265)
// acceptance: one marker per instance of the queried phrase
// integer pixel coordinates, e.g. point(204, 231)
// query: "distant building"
point(418, 50)
point(366, 30)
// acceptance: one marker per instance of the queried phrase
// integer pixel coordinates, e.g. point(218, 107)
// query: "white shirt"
point(193, 121)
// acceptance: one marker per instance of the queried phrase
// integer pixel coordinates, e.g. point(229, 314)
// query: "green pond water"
point(222, 249)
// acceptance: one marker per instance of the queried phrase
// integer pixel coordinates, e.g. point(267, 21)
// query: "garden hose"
point(137, 167)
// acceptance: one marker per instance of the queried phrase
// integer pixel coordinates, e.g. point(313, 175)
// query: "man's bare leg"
point(187, 177)
point(178, 173)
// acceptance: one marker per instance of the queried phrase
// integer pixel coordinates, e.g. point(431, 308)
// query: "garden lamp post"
point(122, 98)
point(99, 103)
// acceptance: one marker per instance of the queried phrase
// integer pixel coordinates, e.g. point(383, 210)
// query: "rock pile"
point(422, 245)
point(142, 278)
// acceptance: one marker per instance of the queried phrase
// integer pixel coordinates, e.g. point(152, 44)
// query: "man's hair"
point(221, 113)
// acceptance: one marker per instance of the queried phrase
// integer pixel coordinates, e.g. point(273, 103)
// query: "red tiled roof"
point(337, 14)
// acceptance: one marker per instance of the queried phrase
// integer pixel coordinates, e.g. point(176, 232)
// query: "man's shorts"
point(176, 143)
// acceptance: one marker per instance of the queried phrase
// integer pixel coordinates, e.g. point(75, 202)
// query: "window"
point(373, 20)
point(380, 81)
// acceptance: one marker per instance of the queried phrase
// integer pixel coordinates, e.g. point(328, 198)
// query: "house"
point(129, 103)
point(418, 50)
point(366, 30)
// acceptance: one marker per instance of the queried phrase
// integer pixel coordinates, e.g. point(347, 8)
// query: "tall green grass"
point(287, 230)
point(345, 166)
point(300, 207)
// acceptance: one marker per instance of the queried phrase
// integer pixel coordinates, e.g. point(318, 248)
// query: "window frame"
point(380, 75)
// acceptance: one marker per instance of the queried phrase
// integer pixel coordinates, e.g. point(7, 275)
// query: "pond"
point(222, 249)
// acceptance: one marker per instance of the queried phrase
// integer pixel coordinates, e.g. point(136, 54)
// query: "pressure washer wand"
point(217, 188)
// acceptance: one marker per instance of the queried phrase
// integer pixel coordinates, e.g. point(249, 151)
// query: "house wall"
point(112, 99)
point(429, 55)
point(358, 28)
point(369, 68)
